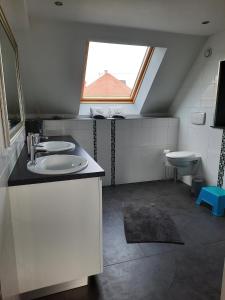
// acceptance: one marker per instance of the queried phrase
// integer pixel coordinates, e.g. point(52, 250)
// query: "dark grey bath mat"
point(145, 223)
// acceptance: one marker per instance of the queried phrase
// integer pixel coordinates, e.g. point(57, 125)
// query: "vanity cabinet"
point(57, 229)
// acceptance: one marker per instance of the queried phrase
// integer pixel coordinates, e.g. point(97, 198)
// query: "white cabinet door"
point(57, 230)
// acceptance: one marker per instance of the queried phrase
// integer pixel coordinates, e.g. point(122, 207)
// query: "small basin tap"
point(35, 148)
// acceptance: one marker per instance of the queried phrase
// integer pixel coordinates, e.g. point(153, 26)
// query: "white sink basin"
point(58, 164)
point(56, 146)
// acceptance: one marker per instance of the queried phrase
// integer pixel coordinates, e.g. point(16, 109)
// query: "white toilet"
point(186, 162)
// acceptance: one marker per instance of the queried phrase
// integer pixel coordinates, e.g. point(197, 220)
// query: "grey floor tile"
point(159, 248)
point(138, 279)
point(115, 247)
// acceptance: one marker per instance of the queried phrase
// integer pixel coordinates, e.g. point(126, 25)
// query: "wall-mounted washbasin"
point(58, 164)
point(56, 146)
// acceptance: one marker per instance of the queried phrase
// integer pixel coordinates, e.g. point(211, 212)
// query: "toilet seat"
point(181, 154)
point(185, 162)
point(181, 159)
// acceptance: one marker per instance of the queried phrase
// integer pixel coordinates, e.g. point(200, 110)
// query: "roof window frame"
point(131, 100)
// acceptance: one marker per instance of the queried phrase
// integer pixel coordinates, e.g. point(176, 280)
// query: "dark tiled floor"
point(157, 271)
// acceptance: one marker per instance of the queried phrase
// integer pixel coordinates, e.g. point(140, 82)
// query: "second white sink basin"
point(58, 164)
point(56, 146)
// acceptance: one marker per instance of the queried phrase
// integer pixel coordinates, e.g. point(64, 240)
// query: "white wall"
point(198, 93)
point(139, 148)
point(8, 272)
point(8, 157)
point(139, 144)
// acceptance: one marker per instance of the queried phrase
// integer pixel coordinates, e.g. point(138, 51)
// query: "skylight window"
point(114, 72)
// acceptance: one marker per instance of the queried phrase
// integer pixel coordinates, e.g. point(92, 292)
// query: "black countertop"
point(21, 176)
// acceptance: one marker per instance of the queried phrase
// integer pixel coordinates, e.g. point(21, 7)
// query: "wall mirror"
point(11, 94)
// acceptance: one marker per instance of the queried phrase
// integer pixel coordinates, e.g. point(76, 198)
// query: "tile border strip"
point(113, 152)
point(222, 162)
point(95, 139)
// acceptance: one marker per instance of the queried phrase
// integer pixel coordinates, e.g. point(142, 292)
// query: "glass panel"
point(112, 70)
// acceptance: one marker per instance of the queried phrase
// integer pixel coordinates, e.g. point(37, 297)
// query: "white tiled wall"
point(139, 144)
point(8, 273)
point(198, 93)
point(139, 148)
point(81, 130)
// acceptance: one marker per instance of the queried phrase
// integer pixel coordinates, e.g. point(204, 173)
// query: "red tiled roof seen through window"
point(107, 86)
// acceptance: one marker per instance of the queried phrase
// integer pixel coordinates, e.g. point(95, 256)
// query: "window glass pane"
point(112, 69)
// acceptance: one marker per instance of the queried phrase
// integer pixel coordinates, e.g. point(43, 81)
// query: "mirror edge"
point(10, 135)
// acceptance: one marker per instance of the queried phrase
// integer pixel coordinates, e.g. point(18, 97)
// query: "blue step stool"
point(215, 196)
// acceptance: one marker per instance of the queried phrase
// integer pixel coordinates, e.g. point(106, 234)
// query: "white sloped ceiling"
point(52, 62)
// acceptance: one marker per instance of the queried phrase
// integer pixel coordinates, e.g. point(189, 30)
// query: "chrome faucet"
point(34, 147)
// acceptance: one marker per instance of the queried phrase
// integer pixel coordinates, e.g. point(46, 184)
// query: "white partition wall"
point(139, 148)
point(139, 144)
